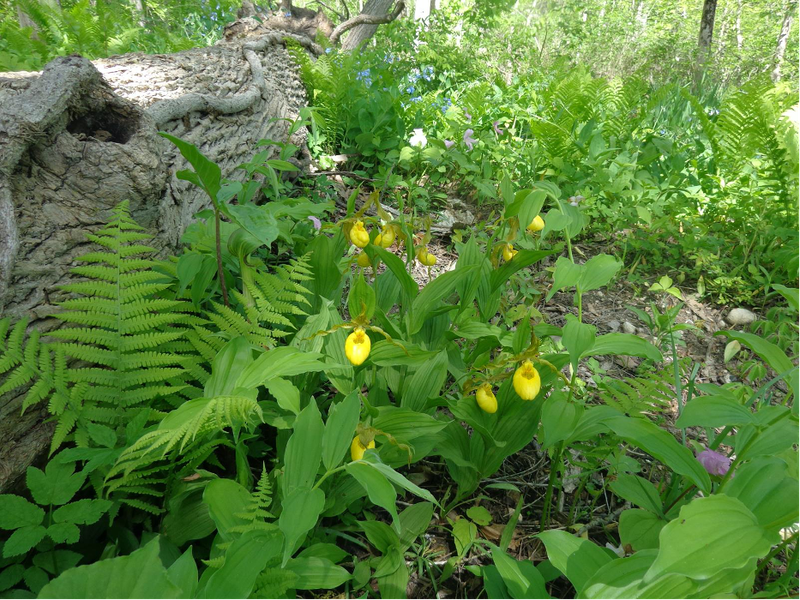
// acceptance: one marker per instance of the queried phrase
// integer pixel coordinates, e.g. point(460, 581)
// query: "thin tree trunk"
point(361, 33)
point(139, 5)
point(783, 38)
point(739, 38)
point(705, 38)
point(707, 25)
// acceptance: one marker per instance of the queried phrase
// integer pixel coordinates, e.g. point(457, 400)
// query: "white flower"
point(418, 139)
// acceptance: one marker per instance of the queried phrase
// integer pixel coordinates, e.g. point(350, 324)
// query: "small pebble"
point(628, 327)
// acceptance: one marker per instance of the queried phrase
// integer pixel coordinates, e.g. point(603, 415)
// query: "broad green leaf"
point(284, 361)
point(597, 272)
point(56, 562)
point(226, 500)
point(17, 512)
point(576, 558)
point(378, 488)
point(523, 258)
point(183, 573)
point(286, 394)
point(661, 445)
point(771, 354)
point(714, 411)
point(640, 528)
point(301, 510)
point(229, 363)
point(479, 515)
point(23, 539)
point(521, 582)
point(559, 418)
point(207, 173)
point(766, 488)
point(710, 534)
point(386, 354)
point(565, 276)
point(137, 575)
point(56, 485)
point(380, 535)
point(432, 297)
point(11, 576)
point(638, 491)
point(317, 573)
point(394, 584)
point(768, 441)
point(400, 480)
point(622, 578)
point(414, 521)
point(397, 267)
point(426, 382)
point(82, 512)
point(340, 430)
point(361, 299)
point(465, 532)
point(245, 558)
point(626, 344)
point(792, 295)
point(64, 533)
point(406, 424)
point(578, 338)
point(325, 550)
point(303, 451)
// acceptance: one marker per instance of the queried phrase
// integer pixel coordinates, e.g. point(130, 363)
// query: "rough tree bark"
point(707, 26)
point(783, 39)
point(80, 137)
point(705, 38)
point(361, 33)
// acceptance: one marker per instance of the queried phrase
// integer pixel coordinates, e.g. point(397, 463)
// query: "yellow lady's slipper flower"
point(363, 260)
point(527, 382)
point(537, 224)
point(357, 346)
point(385, 238)
point(425, 257)
point(486, 399)
point(508, 252)
point(359, 235)
point(357, 449)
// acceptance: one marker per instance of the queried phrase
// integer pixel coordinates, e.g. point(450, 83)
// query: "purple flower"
point(497, 130)
point(467, 115)
point(714, 462)
point(468, 139)
point(449, 144)
point(317, 223)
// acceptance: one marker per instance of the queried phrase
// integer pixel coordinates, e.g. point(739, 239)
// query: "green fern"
point(274, 582)
point(118, 358)
point(194, 424)
point(264, 309)
point(645, 395)
point(256, 512)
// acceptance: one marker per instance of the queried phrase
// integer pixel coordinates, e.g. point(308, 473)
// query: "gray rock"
point(628, 327)
point(613, 325)
point(740, 316)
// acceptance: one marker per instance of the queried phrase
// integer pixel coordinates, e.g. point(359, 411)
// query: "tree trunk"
point(739, 38)
point(80, 137)
point(361, 33)
point(783, 38)
point(707, 25)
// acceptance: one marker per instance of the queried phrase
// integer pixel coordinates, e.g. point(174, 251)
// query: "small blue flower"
point(287, 14)
point(410, 89)
point(328, 50)
point(427, 73)
point(416, 98)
